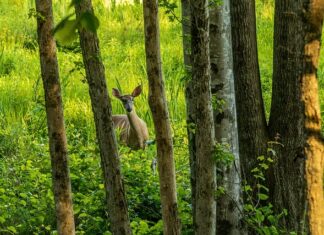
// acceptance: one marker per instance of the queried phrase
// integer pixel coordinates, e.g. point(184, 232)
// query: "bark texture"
point(295, 115)
point(252, 126)
point(314, 148)
point(158, 106)
point(228, 205)
point(190, 99)
point(101, 107)
point(186, 33)
point(55, 119)
point(205, 206)
point(289, 169)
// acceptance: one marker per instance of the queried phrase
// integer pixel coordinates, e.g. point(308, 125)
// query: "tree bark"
point(186, 31)
point(190, 100)
point(252, 126)
point(101, 107)
point(295, 115)
point(55, 119)
point(205, 210)
point(158, 106)
point(229, 206)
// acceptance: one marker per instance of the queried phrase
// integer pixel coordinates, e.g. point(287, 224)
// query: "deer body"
point(133, 130)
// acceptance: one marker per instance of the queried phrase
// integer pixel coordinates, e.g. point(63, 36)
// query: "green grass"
point(23, 138)
point(25, 182)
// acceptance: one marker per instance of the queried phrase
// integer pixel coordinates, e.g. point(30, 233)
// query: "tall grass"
point(121, 42)
point(23, 132)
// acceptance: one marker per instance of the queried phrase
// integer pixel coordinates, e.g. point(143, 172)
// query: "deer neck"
point(135, 123)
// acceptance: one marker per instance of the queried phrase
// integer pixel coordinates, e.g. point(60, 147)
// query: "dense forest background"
point(26, 198)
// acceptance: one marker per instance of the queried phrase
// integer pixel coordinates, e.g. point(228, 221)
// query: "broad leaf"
point(66, 31)
point(89, 21)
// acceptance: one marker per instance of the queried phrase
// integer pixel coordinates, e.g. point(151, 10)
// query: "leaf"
point(12, 229)
point(261, 158)
point(247, 188)
point(260, 186)
point(83, 215)
point(262, 196)
point(259, 216)
point(89, 21)
point(23, 195)
point(270, 159)
point(271, 219)
point(23, 202)
point(264, 166)
point(248, 207)
point(255, 170)
point(40, 218)
point(66, 31)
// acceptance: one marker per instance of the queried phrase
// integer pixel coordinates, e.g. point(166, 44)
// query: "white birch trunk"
point(228, 205)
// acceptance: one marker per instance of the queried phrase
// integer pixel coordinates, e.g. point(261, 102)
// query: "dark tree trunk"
point(55, 119)
point(190, 99)
point(252, 126)
point(295, 115)
point(101, 107)
point(158, 106)
point(205, 206)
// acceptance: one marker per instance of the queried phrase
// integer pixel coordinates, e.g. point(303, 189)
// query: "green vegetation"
point(26, 199)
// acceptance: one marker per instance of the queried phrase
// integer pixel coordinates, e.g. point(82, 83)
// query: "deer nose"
point(128, 108)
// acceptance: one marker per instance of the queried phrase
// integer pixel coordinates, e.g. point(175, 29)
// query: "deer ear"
point(116, 92)
point(137, 91)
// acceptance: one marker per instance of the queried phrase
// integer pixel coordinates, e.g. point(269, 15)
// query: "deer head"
point(127, 100)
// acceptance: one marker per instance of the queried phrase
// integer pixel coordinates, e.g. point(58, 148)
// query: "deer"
point(133, 130)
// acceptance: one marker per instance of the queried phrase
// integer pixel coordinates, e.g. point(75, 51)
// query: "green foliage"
point(34, 14)
point(223, 155)
point(170, 9)
point(26, 200)
point(216, 3)
point(7, 64)
point(258, 211)
point(218, 104)
point(66, 30)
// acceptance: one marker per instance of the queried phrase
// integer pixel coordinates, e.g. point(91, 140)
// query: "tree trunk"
point(186, 31)
point(190, 99)
point(314, 147)
point(101, 107)
point(252, 126)
point(158, 106)
point(55, 119)
point(229, 207)
point(295, 115)
point(205, 210)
